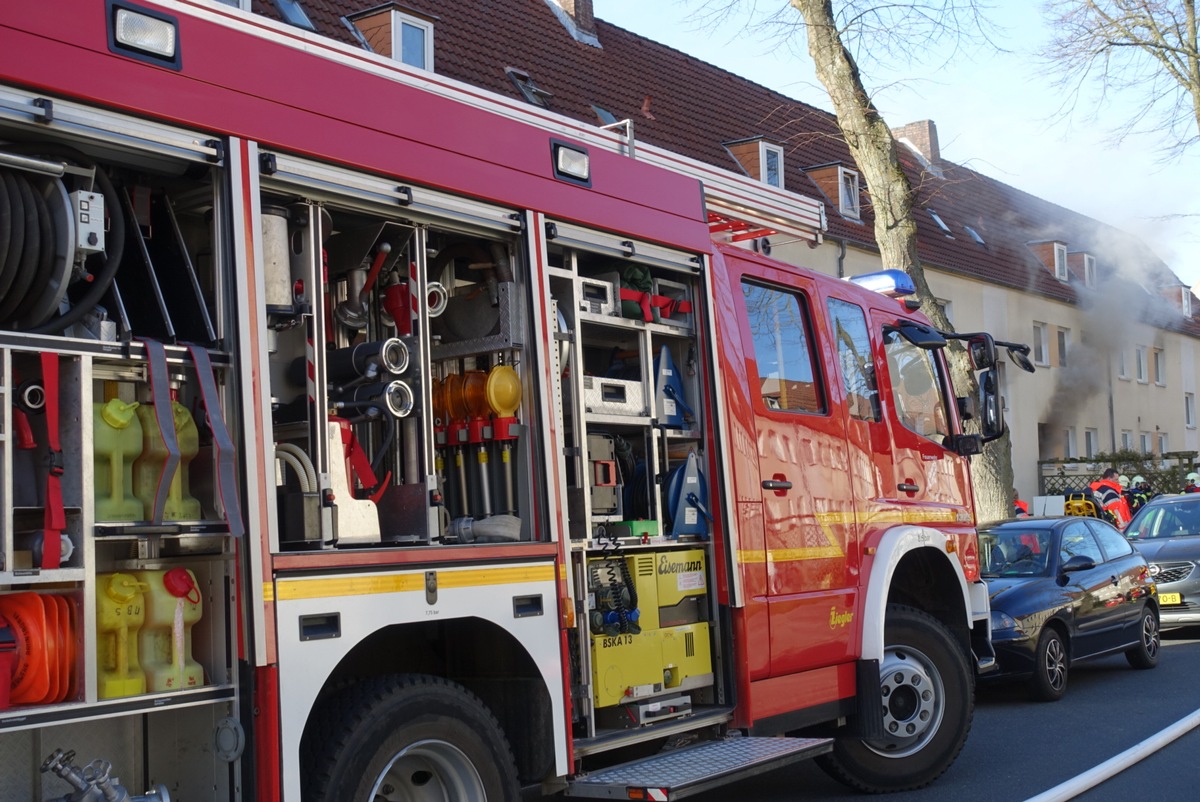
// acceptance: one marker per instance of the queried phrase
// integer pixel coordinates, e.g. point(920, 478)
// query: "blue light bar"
point(892, 283)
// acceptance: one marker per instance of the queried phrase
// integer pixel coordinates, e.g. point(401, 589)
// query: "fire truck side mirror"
point(982, 350)
point(991, 421)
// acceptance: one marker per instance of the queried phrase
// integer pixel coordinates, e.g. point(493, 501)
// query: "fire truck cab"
point(428, 447)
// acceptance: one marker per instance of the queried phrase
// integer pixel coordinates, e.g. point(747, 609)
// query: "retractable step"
point(690, 770)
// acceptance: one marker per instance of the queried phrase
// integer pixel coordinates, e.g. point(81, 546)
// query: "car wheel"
point(1049, 681)
point(928, 699)
point(407, 738)
point(1145, 653)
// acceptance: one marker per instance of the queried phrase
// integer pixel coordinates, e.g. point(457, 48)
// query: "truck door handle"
point(776, 484)
point(907, 487)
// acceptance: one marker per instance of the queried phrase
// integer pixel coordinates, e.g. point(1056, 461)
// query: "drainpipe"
point(1112, 412)
point(841, 270)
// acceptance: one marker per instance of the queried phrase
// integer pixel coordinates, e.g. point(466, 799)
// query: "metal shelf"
point(24, 717)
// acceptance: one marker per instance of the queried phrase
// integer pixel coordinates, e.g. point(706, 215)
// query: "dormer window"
point(412, 41)
point(1089, 270)
point(529, 90)
point(397, 32)
point(1185, 301)
point(293, 14)
point(1060, 261)
point(848, 192)
point(770, 160)
point(937, 218)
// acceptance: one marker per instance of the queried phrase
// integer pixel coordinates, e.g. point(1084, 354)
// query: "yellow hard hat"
point(1193, 477)
point(1138, 480)
point(1123, 480)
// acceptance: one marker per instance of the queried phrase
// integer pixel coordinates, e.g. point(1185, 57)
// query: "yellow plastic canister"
point(116, 443)
point(147, 470)
point(120, 613)
point(173, 606)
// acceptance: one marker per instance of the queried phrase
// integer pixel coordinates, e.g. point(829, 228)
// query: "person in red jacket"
point(1112, 500)
point(1020, 508)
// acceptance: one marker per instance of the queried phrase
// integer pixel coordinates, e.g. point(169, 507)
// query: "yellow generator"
point(649, 633)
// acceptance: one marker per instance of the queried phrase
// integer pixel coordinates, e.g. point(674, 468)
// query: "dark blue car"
point(1064, 590)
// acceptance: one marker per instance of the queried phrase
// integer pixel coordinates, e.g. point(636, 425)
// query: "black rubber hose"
point(11, 255)
point(45, 265)
point(116, 235)
point(6, 219)
point(31, 243)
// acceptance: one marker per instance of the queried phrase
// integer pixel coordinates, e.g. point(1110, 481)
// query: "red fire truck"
point(369, 437)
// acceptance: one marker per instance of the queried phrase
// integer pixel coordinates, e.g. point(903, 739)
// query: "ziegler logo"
point(667, 566)
point(837, 619)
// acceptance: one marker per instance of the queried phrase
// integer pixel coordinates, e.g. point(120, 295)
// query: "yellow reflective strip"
point(268, 591)
point(495, 576)
point(289, 589)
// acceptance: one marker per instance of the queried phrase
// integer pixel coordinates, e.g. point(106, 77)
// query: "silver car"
point(1167, 532)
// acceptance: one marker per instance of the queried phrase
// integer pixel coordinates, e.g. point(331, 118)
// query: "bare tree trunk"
point(874, 151)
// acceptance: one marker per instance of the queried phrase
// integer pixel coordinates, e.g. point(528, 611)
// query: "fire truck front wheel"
point(928, 702)
point(407, 738)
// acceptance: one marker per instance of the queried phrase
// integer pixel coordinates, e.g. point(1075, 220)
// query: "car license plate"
point(1170, 598)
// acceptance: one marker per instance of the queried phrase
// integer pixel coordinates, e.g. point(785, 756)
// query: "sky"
point(994, 112)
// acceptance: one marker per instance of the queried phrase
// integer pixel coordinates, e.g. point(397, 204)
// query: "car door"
point(1098, 607)
point(1128, 565)
point(931, 484)
point(800, 432)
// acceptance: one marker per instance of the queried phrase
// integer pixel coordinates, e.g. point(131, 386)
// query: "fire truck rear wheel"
point(408, 738)
point(928, 703)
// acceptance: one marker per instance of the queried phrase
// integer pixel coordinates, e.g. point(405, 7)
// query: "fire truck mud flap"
point(682, 772)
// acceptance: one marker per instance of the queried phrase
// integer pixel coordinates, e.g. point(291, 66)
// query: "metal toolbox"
point(614, 397)
point(598, 295)
point(680, 312)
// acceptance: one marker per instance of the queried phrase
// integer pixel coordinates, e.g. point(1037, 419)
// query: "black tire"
point(928, 703)
point(423, 737)
point(1145, 654)
point(1051, 667)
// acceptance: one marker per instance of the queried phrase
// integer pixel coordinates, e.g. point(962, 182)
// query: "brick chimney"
point(578, 17)
point(922, 137)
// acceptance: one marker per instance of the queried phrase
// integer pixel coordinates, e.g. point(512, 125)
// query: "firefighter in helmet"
point(1192, 480)
point(1138, 494)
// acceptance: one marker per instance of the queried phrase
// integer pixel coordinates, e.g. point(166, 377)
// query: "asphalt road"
point(1018, 749)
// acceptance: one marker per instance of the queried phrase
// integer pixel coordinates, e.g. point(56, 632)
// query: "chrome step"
point(689, 770)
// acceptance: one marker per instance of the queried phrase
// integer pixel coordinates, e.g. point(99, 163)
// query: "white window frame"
point(1071, 450)
point(1041, 349)
point(1162, 443)
point(1089, 270)
point(765, 148)
point(1060, 261)
point(1064, 345)
point(849, 202)
point(399, 20)
point(1185, 301)
point(1189, 410)
point(1141, 366)
point(1144, 439)
point(1091, 442)
point(294, 14)
point(1159, 363)
point(1126, 439)
point(1122, 364)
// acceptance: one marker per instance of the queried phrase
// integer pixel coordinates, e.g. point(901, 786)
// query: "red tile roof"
point(694, 107)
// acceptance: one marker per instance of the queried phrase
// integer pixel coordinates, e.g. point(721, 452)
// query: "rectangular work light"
point(571, 163)
point(143, 34)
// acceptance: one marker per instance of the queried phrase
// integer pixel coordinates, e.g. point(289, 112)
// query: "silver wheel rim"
point(429, 771)
point(1150, 636)
point(1055, 664)
point(914, 702)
